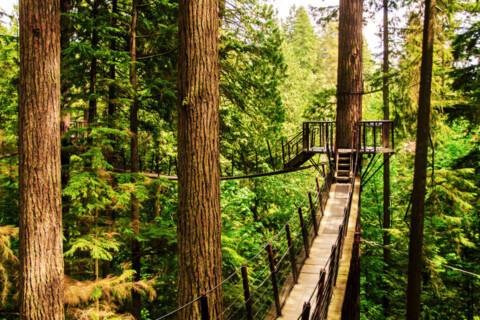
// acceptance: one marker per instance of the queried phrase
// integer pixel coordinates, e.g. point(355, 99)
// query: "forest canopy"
point(120, 81)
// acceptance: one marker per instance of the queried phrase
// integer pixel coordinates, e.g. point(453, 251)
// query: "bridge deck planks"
point(319, 253)
point(335, 307)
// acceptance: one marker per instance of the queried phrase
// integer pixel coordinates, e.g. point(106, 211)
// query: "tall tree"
point(420, 172)
point(349, 74)
point(199, 219)
point(92, 100)
point(41, 283)
point(386, 156)
point(134, 159)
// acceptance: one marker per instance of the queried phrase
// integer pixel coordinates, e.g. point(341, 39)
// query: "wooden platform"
point(319, 252)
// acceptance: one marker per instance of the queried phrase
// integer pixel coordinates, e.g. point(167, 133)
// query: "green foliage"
point(273, 76)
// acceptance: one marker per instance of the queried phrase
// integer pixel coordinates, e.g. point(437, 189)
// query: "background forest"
point(275, 73)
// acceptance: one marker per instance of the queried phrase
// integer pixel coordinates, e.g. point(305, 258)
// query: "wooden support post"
point(283, 153)
point(273, 276)
point(374, 137)
point(304, 232)
point(306, 311)
point(204, 308)
point(313, 214)
point(291, 252)
point(246, 293)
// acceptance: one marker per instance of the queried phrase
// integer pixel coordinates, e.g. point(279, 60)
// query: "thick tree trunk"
point(349, 74)
point(415, 257)
point(92, 101)
point(199, 219)
point(386, 156)
point(41, 252)
point(134, 158)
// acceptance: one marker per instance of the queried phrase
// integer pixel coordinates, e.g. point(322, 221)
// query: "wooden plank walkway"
point(336, 304)
point(319, 253)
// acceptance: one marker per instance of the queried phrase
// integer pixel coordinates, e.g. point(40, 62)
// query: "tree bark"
point(415, 257)
point(386, 156)
point(199, 219)
point(349, 74)
point(41, 251)
point(134, 158)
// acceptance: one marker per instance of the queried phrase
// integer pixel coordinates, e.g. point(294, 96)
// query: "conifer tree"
point(41, 253)
point(349, 73)
point(415, 256)
point(199, 219)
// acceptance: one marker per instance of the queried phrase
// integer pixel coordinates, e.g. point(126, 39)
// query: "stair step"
point(344, 164)
point(343, 179)
point(342, 172)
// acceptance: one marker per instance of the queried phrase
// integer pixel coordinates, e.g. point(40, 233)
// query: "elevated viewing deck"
point(317, 137)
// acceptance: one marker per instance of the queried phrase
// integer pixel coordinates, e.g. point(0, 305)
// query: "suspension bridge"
point(309, 269)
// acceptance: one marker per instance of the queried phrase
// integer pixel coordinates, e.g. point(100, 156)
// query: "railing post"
point(327, 147)
point(393, 135)
point(306, 136)
point(204, 308)
point(273, 276)
point(246, 293)
point(331, 136)
point(319, 191)
point(306, 311)
point(364, 125)
point(313, 214)
point(374, 137)
point(283, 152)
point(321, 288)
point(304, 232)
point(291, 253)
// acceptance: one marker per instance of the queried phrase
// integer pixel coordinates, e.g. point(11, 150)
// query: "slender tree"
point(41, 252)
point(92, 101)
point(415, 256)
point(349, 74)
point(386, 156)
point(112, 89)
point(134, 158)
point(199, 220)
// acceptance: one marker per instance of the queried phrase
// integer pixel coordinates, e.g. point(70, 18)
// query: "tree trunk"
point(135, 163)
point(41, 252)
point(112, 90)
point(199, 219)
point(415, 257)
point(92, 101)
point(386, 156)
point(349, 76)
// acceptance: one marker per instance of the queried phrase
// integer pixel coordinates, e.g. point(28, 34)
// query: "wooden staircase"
point(344, 166)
